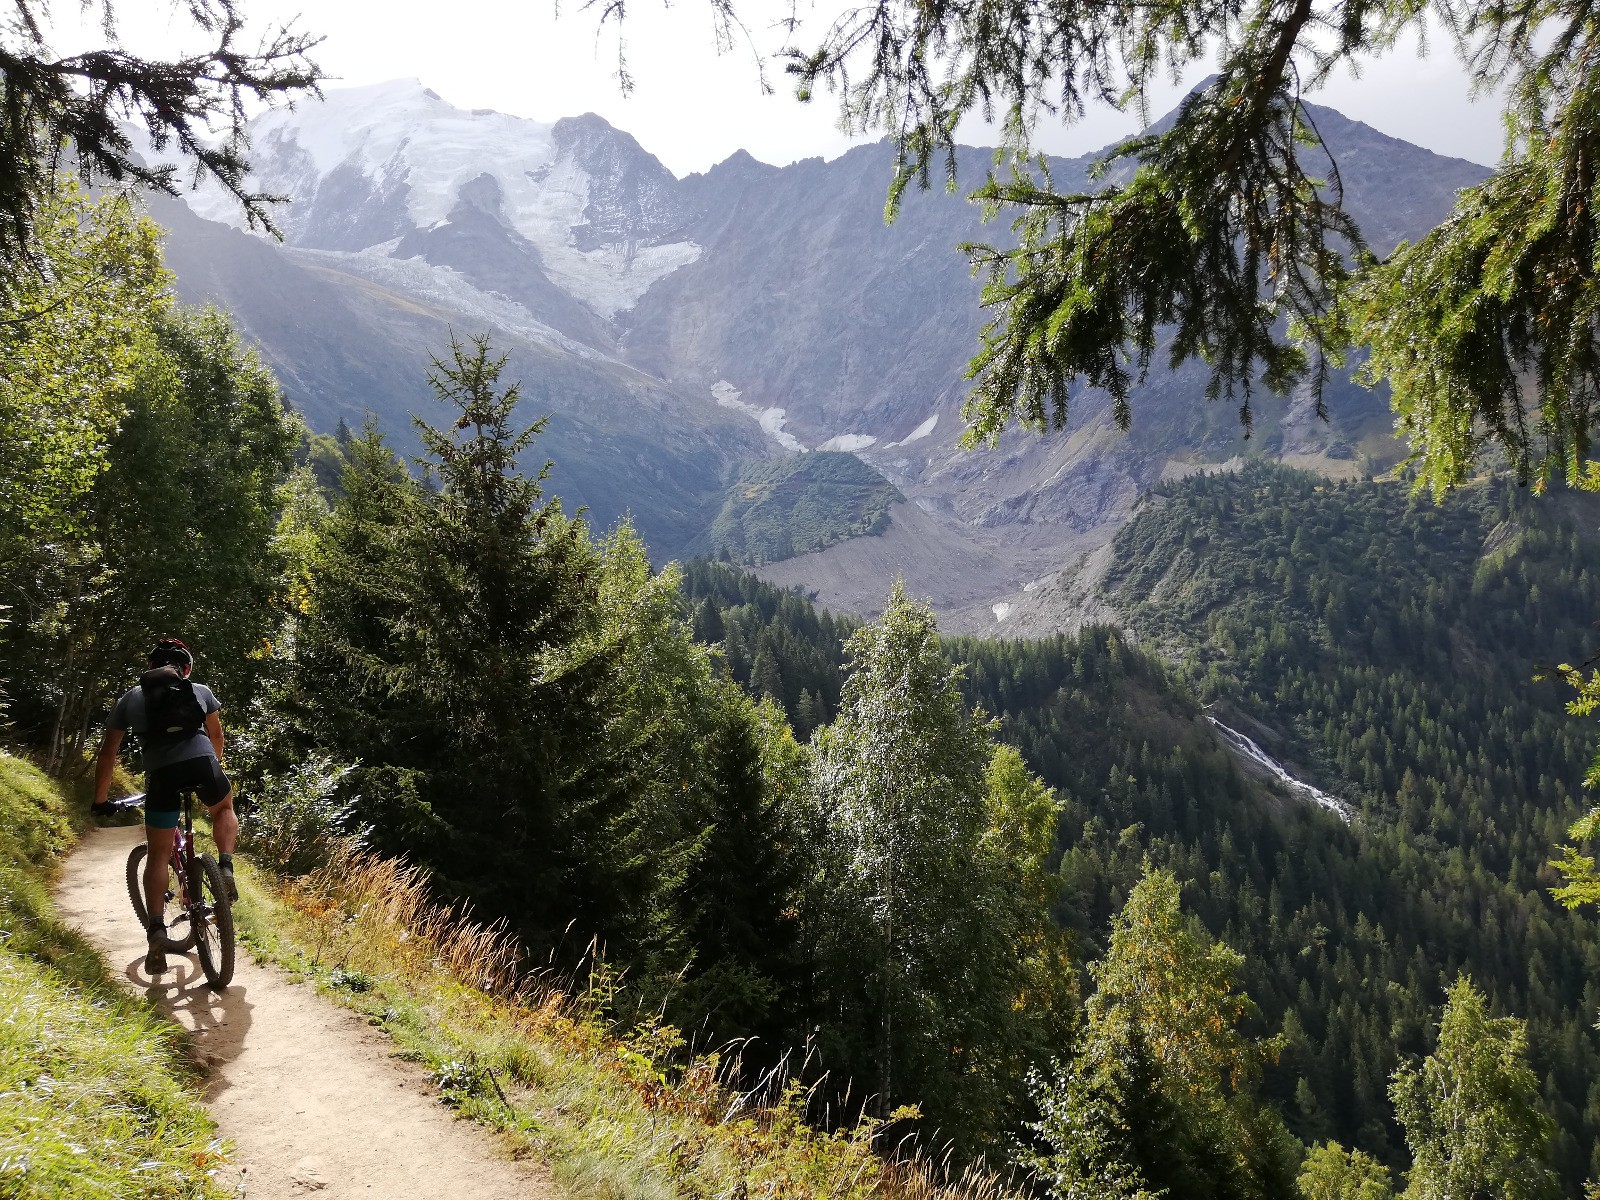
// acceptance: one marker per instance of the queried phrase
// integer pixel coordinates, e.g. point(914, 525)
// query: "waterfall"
point(1247, 748)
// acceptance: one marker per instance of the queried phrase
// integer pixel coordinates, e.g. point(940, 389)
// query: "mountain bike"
point(196, 901)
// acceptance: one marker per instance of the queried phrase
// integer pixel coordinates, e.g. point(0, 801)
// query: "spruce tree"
point(494, 660)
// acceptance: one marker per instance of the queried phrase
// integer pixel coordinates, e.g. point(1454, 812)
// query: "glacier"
point(400, 134)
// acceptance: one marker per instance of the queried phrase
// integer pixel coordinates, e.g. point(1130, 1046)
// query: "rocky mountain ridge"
point(686, 326)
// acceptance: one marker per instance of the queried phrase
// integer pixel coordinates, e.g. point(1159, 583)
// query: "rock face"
point(680, 328)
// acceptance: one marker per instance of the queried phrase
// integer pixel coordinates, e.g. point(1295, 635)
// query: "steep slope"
point(348, 336)
point(1382, 649)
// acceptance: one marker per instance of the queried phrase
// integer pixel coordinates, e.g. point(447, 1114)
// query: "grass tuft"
point(617, 1117)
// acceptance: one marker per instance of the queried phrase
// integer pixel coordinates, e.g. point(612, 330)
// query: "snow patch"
point(771, 420)
point(849, 442)
point(1001, 611)
point(920, 432)
point(1246, 747)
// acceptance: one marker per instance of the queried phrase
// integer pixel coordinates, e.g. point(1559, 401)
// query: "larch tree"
point(1331, 1172)
point(1222, 237)
point(1157, 1096)
point(73, 110)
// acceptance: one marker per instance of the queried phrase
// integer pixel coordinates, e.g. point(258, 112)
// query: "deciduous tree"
point(1471, 1110)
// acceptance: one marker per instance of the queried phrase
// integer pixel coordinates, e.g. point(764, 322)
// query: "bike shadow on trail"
point(216, 1024)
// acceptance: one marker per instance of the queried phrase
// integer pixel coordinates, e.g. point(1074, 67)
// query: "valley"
point(679, 330)
point(1315, 703)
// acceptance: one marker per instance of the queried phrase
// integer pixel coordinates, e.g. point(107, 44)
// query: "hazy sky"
point(692, 106)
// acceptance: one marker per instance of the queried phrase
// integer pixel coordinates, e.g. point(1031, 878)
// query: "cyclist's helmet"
point(170, 652)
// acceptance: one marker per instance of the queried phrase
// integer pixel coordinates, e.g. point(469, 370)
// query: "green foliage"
point(1190, 1024)
point(1171, 258)
point(152, 444)
point(1086, 1136)
point(1582, 880)
point(934, 955)
point(1471, 1110)
point(76, 106)
point(1498, 303)
point(74, 336)
point(525, 711)
point(1331, 1172)
point(800, 503)
point(1383, 647)
point(293, 817)
point(97, 1102)
point(1158, 1097)
point(613, 1112)
point(325, 456)
point(898, 782)
point(798, 648)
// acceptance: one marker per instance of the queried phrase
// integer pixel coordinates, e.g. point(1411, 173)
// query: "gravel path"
point(306, 1091)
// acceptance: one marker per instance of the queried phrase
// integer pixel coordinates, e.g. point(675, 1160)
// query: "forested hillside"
point(798, 504)
point(948, 884)
point(1386, 647)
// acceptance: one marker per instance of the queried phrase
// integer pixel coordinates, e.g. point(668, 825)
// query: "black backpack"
point(172, 712)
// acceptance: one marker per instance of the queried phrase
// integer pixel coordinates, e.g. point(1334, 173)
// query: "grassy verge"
point(96, 1095)
point(534, 1064)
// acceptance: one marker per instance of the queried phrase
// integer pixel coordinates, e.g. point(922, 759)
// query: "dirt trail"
point(305, 1090)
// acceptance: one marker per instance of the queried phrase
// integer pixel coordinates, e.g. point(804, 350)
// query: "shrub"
point(294, 818)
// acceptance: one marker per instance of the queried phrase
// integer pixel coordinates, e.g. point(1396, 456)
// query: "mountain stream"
point(1247, 749)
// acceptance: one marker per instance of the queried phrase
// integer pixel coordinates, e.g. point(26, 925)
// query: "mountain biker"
point(183, 755)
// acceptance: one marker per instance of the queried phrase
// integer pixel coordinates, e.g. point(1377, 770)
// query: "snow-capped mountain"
point(378, 169)
point(677, 327)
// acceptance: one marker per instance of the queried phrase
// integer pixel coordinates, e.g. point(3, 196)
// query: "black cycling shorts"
point(164, 788)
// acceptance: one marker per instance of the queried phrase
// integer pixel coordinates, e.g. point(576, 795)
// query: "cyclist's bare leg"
point(155, 867)
point(224, 824)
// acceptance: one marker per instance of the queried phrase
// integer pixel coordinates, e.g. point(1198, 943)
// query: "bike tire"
point(136, 858)
point(213, 937)
point(136, 884)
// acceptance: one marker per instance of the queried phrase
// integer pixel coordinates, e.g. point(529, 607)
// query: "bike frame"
point(181, 864)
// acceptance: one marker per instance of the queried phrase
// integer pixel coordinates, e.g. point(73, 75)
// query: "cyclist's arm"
point(105, 764)
point(214, 732)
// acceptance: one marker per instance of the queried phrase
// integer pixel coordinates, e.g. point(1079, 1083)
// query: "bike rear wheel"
point(174, 914)
point(211, 922)
point(136, 884)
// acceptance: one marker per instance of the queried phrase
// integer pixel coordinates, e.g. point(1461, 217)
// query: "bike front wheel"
point(211, 921)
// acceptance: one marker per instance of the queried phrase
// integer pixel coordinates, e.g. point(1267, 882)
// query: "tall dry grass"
point(618, 1116)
